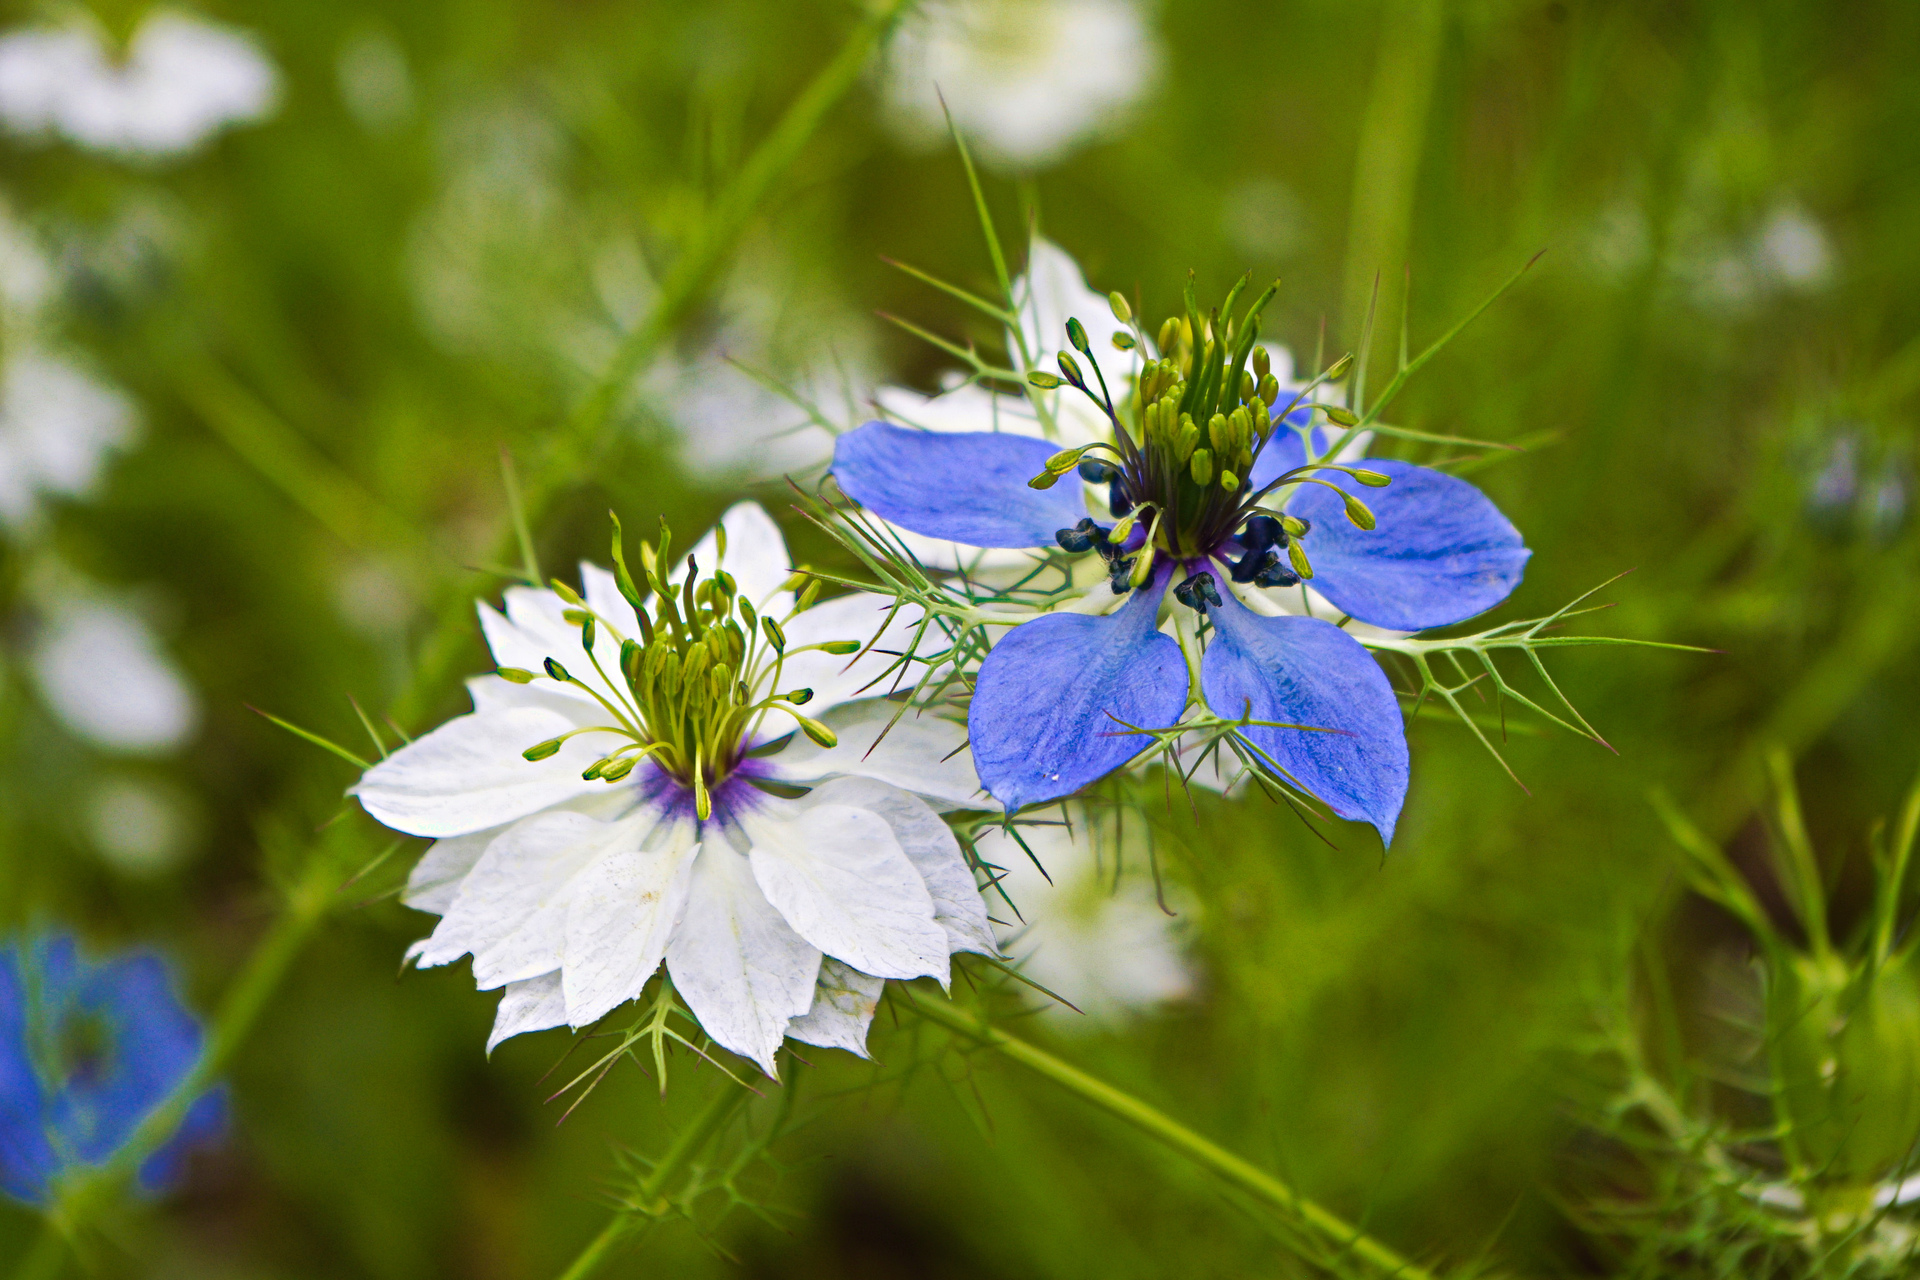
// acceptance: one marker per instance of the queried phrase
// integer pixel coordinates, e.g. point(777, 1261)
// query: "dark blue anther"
point(1262, 532)
point(1197, 592)
point(1081, 537)
point(1119, 578)
point(1095, 471)
point(1118, 500)
point(1253, 564)
point(1277, 575)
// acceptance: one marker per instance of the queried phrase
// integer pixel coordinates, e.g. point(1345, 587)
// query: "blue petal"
point(968, 487)
point(1285, 452)
point(1307, 671)
point(27, 1160)
point(1047, 707)
point(1439, 551)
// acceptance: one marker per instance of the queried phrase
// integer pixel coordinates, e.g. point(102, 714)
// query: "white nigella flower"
point(179, 80)
point(617, 812)
point(1026, 80)
point(1089, 930)
point(57, 426)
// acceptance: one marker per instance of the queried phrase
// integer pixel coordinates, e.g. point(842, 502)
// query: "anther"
point(1197, 592)
point(1118, 500)
point(1082, 537)
point(1120, 578)
point(1095, 471)
point(1262, 532)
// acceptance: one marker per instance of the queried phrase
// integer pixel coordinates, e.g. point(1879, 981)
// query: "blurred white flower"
point(733, 426)
point(103, 672)
point(57, 426)
point(181, 80)
point(1792, 247)
point(1090, 935)
point(1026, 80)
point(142, 827)
point(374, 80)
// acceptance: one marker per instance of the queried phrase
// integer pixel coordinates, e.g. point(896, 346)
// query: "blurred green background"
point(329, 322)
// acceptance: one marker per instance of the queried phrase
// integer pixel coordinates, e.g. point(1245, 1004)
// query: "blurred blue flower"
point(87, 1050)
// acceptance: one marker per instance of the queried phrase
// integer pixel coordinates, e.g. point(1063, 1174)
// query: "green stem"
point(1239, 1173)
point(690, 1142)
point(47, 1257)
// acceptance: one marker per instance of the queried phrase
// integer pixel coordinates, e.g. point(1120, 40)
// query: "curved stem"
point(690, 1142)
point(1241, 1174)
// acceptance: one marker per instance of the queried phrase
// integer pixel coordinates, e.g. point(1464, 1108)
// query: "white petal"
point(435, 880)
point(601, 590)
point(843, 882)
point(618, 920)
point(843, 1005)
point(1052, 291)
point(756, 557)
point(741, 969)
point(539, 630)
point(922, 754)
point(853, 617)
point(469, 773)
point(511, 910)
point(532, 1004)
point(930, 845)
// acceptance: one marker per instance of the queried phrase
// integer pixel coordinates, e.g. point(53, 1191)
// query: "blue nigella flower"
point(87, 1050)
point(1209, 490)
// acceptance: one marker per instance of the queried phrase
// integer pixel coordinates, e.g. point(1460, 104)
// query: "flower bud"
point(515, 675)
point(1121, 311)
